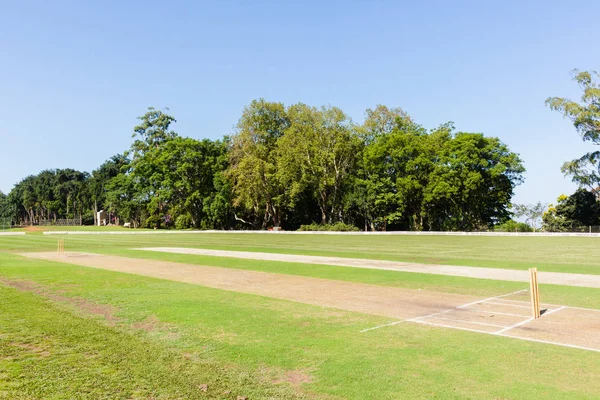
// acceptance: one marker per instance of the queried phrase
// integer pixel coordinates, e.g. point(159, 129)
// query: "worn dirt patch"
point(295, 378)
point(34, 229)
point(29, 348)
point(150, 324)
point(81, 304)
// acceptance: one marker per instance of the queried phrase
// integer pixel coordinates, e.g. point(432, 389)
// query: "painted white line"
point(573, 346)
point(553, 311)
point(466, 305)
point(515, 301)
point(507, 305)
point(468, 322)
point(514, 326)
point(450, 326)
point(527, 321)
point(499, 313)
point(581, 308)
point(443, 312)
point(381, 326)
point(546, 305)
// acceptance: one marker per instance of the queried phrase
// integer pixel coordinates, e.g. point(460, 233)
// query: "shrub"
point(184, 221)
point(513, 226)
point(152, 222)
point(337, 227)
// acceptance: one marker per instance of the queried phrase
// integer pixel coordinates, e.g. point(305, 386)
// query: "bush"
point(152, 222)
point(513, 226)
point(337, 227)
point(184, 221)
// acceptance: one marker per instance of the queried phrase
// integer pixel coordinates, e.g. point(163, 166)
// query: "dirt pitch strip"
point(504, 315)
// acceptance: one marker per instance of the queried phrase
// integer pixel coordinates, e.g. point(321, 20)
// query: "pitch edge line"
point(381, 326)
point(465, 305)
point(443, 312)
point(573, 346)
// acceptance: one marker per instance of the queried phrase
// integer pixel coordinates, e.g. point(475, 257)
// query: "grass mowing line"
point(556, 278)
point(571, 255)
point(562, 295)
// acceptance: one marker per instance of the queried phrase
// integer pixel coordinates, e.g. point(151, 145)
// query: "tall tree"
point(318, 153)
point(253, 162)
point(153, 131)
point(585, 171)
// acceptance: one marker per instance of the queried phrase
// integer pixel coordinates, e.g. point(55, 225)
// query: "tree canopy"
point(585, 171)
point(283, 167)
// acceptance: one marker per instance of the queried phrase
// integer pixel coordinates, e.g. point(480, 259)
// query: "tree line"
point(287, 167)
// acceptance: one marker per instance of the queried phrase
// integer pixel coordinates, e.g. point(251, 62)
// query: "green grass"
point(51, 347)
point(556, 254)
point(47, 351)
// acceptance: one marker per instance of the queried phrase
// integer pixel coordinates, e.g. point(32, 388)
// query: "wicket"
point(61, 247)
point(535, 293)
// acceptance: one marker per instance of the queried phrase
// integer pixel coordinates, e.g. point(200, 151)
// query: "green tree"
point(6, 210)
point(472, 183)
point(100, 177)
point(396, 169)
point(585, 171)
point(257, 188)
point(183, 178)
point(152, 132)
point(573, 213)
point(318, 153)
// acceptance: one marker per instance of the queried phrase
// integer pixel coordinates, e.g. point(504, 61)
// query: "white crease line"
point(516, 301)
point(513, 326)
point(574, 346)
point(381, 326)
point(465, 305)
point(450, 326)
point(527, 321)
point(581, 308)
point(547, 305)
point(468, 322)
point(499, 313)
point(553, 311)
point(508, 305)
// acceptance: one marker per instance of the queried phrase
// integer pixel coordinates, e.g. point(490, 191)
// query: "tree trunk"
point(95, 213)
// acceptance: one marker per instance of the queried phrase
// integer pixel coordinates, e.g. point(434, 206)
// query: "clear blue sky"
point(75, 75)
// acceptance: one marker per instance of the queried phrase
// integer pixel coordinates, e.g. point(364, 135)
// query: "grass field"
point(69, 332)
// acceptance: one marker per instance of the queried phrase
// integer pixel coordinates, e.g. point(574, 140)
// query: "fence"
point(5, 223)
point(60, 222)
